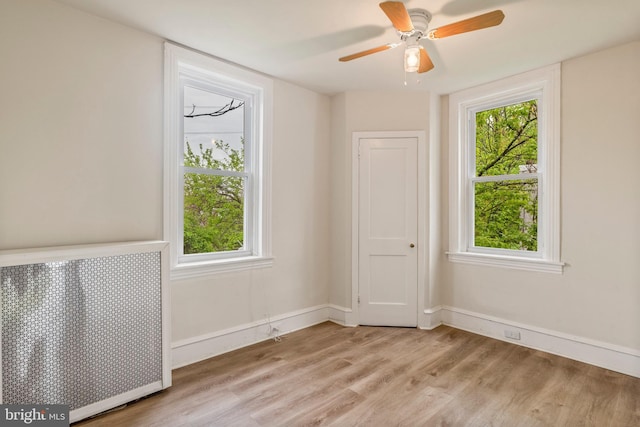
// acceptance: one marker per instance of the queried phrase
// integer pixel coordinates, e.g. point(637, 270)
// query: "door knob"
point(411, 245)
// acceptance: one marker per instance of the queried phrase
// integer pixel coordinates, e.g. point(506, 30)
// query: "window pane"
point(213, 130)
point(507, 140)
point(213, 213)
point(506, 214)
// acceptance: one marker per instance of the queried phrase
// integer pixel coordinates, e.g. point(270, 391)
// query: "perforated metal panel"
point(81, 331)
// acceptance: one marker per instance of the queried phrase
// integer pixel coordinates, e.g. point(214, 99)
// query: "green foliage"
point(506, 212)
point(213, 204)
point(506, 137)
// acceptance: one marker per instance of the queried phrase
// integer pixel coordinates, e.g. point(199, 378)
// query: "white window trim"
point(177, 60)
point(543, 84)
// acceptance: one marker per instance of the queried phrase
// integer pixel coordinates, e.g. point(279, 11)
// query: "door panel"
point(387, 263)
point(385, 270)
point(386, 192)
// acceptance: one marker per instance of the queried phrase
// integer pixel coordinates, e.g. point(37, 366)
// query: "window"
point(217, 146)
point(504, 173)
point(504, 178)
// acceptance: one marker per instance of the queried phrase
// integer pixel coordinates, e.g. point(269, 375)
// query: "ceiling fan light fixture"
point(412, 58)
point(412, 26)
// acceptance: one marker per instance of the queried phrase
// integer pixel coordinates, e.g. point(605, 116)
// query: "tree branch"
point(513, 144)
point(224, 110)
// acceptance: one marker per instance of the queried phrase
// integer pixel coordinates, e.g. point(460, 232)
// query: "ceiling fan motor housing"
point(420, 19)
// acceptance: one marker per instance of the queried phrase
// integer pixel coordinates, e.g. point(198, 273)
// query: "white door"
point(387, 231)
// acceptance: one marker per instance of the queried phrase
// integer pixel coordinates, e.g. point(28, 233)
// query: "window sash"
point(216, 172)
point(502, 102)
point(251, 121)
point(203, 82)
point(510, 177)
point(472, 179)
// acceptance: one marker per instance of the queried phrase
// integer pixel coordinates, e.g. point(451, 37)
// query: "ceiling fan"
point(412, 25)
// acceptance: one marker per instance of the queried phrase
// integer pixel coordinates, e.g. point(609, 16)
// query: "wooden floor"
point(372, 376)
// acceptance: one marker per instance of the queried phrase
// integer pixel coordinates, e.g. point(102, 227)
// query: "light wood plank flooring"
point(373, 376)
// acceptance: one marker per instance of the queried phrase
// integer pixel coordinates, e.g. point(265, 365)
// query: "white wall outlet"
point(514, 335)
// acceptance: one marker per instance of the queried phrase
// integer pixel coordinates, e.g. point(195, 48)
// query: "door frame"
point(422, 241)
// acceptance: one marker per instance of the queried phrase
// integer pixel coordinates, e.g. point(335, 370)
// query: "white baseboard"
point(341, 315)
point(430, 318)
point(605, 355)
point(192, 350)
point(608, 356)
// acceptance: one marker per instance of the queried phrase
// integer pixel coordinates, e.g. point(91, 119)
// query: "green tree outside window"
point(506, 209)
point(213, 204)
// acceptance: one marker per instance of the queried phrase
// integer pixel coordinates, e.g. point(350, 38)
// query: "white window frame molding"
point(544, 85)
point(178, 62)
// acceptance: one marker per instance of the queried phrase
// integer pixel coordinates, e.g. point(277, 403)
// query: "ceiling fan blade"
point(425, 61)
point(397, 13)
point(479, 22)
point(369, 52)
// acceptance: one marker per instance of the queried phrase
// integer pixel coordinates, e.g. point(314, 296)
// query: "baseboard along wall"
point(192, 350)
point(605, 355)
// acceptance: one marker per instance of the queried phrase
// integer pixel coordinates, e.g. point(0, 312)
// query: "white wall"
point(598, 295)
point(352, 112)
point(81, 161)
point(80, 128)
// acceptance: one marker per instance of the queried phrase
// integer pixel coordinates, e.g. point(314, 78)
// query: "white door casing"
point(388, 244)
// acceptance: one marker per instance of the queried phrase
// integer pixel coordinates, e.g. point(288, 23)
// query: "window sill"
point(503, 261)
point(207, 268)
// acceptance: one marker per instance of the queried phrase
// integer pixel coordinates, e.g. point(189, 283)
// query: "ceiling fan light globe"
point(411, 59)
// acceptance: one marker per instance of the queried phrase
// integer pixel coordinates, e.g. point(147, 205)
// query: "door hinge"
point(358, 299)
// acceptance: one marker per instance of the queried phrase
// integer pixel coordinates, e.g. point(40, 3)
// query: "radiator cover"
point(84, 326)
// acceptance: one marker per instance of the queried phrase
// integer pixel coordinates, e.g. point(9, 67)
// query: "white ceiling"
point(300, 41)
